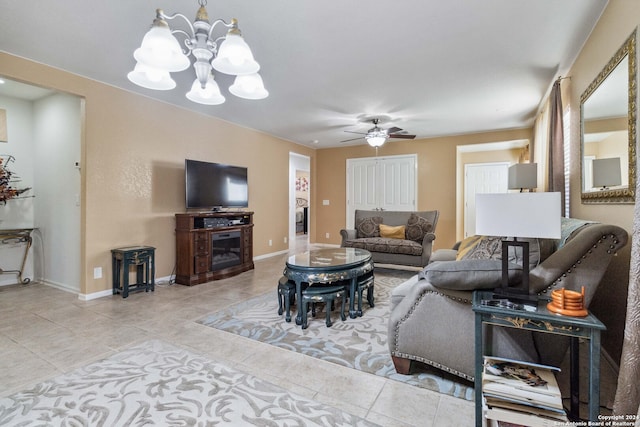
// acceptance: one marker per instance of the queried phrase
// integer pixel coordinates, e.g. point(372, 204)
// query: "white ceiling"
point(433, 67)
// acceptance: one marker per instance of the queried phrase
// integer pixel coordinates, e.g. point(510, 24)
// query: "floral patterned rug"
point(156, 383)
point(359, 343)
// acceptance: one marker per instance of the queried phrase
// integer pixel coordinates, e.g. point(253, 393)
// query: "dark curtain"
point(556, 144)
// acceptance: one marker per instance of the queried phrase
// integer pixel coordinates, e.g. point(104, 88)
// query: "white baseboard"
point(109, 292)
point(269, 255)
point(95, 295)
point(60, 286)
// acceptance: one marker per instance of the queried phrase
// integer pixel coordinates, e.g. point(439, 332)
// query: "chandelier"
point(160, 54)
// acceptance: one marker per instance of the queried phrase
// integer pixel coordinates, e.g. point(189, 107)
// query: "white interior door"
point(385, 183)
point(481, 178)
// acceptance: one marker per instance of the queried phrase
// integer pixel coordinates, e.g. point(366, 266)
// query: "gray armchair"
point(435, 326)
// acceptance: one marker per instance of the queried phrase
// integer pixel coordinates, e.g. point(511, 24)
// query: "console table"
point(543, 321)
point(18, 235)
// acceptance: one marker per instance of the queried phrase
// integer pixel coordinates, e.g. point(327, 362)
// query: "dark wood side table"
point(143, 257)
point(543, 321)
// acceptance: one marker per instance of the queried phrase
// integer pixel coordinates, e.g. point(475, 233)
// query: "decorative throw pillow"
point(368, 227)
point(392, 231)
point(469, 274)
point(481, 247)
point(487, 247)
point(539, 250)
point(417, 227)
point(466, 245)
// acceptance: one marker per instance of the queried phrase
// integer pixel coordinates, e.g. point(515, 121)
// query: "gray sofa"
point(432, 321)
point(414, 246)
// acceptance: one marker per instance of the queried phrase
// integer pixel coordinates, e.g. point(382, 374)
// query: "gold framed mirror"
point(608, 130)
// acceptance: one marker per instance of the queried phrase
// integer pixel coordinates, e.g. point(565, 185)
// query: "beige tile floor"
point(45, 332)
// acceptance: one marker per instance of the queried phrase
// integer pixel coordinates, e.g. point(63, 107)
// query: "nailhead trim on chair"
point(434, 364)
point(556, 283)
point(421, 359)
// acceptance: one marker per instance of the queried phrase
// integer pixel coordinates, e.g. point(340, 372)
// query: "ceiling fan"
point(377, 136)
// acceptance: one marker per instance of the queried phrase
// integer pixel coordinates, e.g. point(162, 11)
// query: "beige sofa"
point(431, 319)
point(414, 246)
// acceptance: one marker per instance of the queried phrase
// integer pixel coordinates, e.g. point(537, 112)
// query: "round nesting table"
point(326, 266)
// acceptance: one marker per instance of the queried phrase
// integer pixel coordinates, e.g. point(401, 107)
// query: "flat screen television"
point(215, 186)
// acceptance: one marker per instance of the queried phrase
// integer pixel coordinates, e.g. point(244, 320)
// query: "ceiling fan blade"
point(352, 139)
point(402, 136)
point(359, 133)
point(393, 130)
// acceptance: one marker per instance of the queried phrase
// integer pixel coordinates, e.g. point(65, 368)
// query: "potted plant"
point(7, 190)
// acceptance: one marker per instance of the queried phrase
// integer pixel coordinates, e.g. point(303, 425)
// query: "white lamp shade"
point(533, 215)
point(159, 49)
point(249, 86)
point(606, 172)
point(235, 57)
point(523, 175)
point(209, 95)
point(376, 141)
point(151, 78)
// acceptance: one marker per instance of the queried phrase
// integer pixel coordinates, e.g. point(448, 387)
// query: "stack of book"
point(520, 393)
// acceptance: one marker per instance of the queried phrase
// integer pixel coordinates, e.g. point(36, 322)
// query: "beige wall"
point(620, 18)
point(133, 154)
point(437, 184)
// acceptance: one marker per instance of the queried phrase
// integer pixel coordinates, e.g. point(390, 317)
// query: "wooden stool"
point(286, 295)
point(367, 284)
point(325, 294)
point(143, 257)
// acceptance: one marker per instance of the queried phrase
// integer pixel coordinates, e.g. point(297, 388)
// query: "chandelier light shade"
point(234, 56)
point(161, 54)
point(151, 78)
point(249, 86)
point(159, 49)
point(208, 95)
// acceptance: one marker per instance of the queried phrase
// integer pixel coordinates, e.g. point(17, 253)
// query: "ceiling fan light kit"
point(161, 54)
point(376, 136)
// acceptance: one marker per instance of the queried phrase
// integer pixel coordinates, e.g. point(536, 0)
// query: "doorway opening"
point(44, 128)
point(299, 201)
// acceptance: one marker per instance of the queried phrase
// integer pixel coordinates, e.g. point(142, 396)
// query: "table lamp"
point(518, 215)
point(606, 172)
point(523, 175)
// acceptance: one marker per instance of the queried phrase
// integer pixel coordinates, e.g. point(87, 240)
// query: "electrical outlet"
point(285, 239)
point(270, 242)
point(97, 273)
point(326, 235)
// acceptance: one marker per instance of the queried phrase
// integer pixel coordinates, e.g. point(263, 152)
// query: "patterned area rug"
point(359, 343)
point(156, 383)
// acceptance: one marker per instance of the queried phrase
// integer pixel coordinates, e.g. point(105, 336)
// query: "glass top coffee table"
point(329, 265)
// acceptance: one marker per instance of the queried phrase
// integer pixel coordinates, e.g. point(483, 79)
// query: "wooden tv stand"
point(213, 245)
